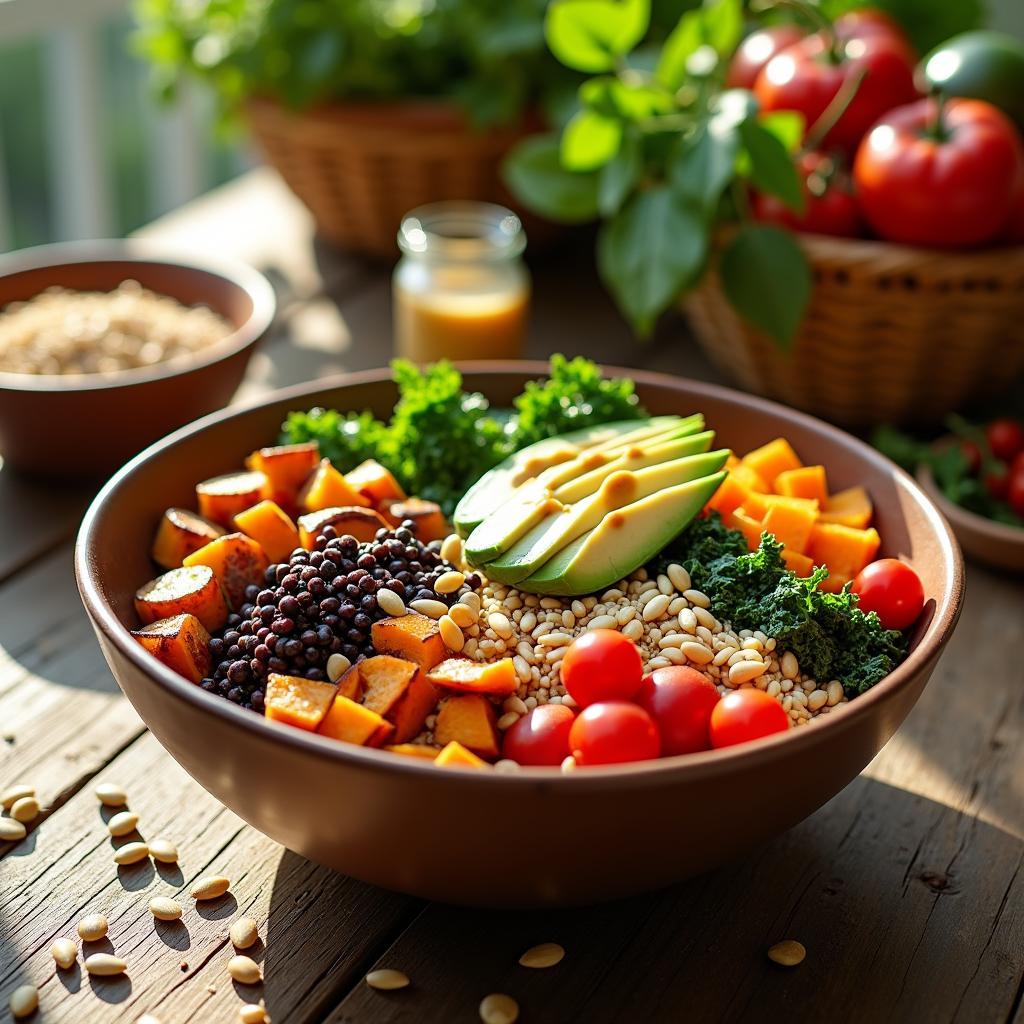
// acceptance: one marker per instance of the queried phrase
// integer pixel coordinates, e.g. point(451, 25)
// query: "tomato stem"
point(936, 128)
point(834, 111)
point(818, 22)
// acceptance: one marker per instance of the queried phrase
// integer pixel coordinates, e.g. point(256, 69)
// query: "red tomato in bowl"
point(540, 737)
point(680, 700)
point(951, 184)
point(602, 665)
point(746, 715)
point(756, 50)
point(1015, 491)
point(1005, 439)
point(613, 732)
point(997, 483)
point(892, 590)
point(830, 208)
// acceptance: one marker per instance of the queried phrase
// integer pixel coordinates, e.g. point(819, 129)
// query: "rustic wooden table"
point(906, 889)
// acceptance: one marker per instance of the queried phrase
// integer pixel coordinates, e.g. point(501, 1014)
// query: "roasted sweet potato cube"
point(374, 482)
point(497, 678)
point(179, 534)
point(730, 495)
point(798, 563)
point(757, 505)
point(413, 637)
point(299, 702)
point(805, 482)
point(455, 755)
point(843, 549)
point(791, 525)
point(361, 523)
point(351, 683)
point(327, 488)
point(181, 643)
point(271, 527)
point(414, 750)
point(469, 719)
point(346, 720)
point(427, 518)
point(236, 560)
point(851, 507)
point(286, 467)
point(771, 459)
point(410, 714)
point(193, 589)
point(223, 497)
point(739, 519)
point(397, 690)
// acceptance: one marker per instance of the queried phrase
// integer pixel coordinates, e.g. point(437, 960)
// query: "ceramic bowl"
point(82, 427)
point(535, 837)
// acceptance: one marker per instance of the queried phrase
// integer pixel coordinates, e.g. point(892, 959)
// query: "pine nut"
point(507, 720)
point(612, 595)
point(64, 952)
point(697, 653)
point(688, 621)
point(723, 655)
point(568, 765)
point(24, 1001)
point(390, 603)
point(104, 964)
point(164, 851)
point(676, 605)
point(253, 1013)
point(697, 598)
point(665, 584)
point(463, 617)
point(602, 622)
point(787, 953)
point(12, 831)
point(243, 933)
point(773, 689)
point(500, 624)
point(14, 793)
point(528, 622)
point(633, 630)
point(131, 853)
point(338, 665)
point(547, 954)
point(656, 608)
point(505, 764)
point(675, 640)
point(111, 795)
point(448, 582)
point(835, 692)
point(387, 980)
point(471, 599)
point(706, 619)
point(92, 928)
point(25, 809)
point(515, 704)
point(555, 640)
point(745, 671)
point(122, 823)
point(163, 908)
point(432, 609)
point(210, 887)
point(522, 667)
point(451, 634)
point(626, 614)
point(245, 970)
point(148, 1018)
point(451, 549)
point(680, 577)
point(550, 602)
point(498, 1008)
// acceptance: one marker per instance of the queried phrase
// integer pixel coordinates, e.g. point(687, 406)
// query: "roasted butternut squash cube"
point(299, 702)
point(731, 493)
point(271, 527)
point(797, 563)
point(427, 518)
point(179, 534)
point(455, 755)
point(834, 582)
point(413, 637)
point(351, 722)
point(757, 505)
point(398, 691)
point(181, 643)
point(414, 750)
point(805, 482)
point(496, 678)
point(791, 525)
point(843, 549)
point(361, 523)
point(193, 589)
point(851, 507)
point(374, 482)
point(750, 527)
point(287, 468)
point(223, 497)
point(771, 459)
point(469, 719)
point(351, 683)
point(327, 488)
point(236, 560)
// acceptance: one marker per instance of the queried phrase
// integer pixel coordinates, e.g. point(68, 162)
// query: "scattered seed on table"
point(787, 953)
point(105, 964)
point(243, 933)
point(210, 887)
point(389, 602)
point(163, 850)
point(148, 1018)
point(24, 1001)
point(15, 793)
point(64, 952)
point(253, 1013)
point(499, 1008)
point(123, 823)
point(547, 954)
point(93, 927)
point(245, 970)
point(131, 853)
point(25, 809)
point(386, 980)
point(11, 831)
point(111, 795)
point(163, 908)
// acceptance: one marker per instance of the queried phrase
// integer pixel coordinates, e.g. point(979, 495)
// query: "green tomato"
point(979, 65)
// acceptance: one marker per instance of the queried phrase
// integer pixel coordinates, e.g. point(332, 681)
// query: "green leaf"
point(786, 125)
point(590, 140)
point(771, 166)
point(702, 165)
point(620, 175)
point(722, 25)
point(766, 277)
point(535, 175)
point(653, 248)
point(683, 41)
point(591, 35)
point(628, 98)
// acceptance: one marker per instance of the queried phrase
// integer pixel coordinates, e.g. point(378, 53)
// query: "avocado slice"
point(493, 488)
point(623, 541)
point(621, 488)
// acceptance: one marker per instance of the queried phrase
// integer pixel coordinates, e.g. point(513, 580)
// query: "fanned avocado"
point(493, 488)
point(624, 540)
point(564, 523)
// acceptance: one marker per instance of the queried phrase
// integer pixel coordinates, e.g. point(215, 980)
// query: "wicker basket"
point(360, 166)
point(892, 333)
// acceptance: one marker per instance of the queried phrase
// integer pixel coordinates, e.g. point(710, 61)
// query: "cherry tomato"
point(540, 737)
point(892, 590)
point(1017, 466)
point(602, 665)
point(830, 206)
point(1005, 438)
point(756, 50)
point(1013, 229)
point(807, 76)
point(679, 699)
point(872, 24)
point(1015, 491)
point(948, 179)
point(746, 715)
point(997, 483)
point(972, 453)
point(612, 732)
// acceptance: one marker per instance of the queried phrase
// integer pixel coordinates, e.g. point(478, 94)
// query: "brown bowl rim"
point(1004, 533)
point(701, 765)
point(135, 252)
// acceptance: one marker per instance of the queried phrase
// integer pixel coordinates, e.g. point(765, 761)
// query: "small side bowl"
point(83, 426)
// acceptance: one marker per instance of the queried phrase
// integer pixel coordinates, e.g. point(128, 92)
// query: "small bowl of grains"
point(107, 346)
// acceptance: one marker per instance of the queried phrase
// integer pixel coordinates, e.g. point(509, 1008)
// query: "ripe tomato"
point(1015, 491)
point(540, 737)
point(807, 76)
point(612, 732)
point(950, 183)
point(679, 699)
point(972, 453)
point(997, 483)
point(830, 207)
point(756, 50)
point(602, 665)
point(746, 715)
point(872, 24)
point(892, 590)
point(1005, 438)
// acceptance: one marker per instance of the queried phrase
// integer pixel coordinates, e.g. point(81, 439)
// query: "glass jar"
point(461, 290)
